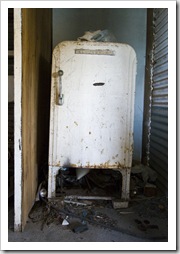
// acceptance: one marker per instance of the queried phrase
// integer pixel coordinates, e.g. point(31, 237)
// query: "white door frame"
point(17, 119)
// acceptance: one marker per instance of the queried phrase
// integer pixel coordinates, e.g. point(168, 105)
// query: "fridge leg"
point(53, 171)
point(125, 183)
point(125, 191)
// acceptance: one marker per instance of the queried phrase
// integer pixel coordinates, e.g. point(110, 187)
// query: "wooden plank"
point(36, 59)
point(32, 93)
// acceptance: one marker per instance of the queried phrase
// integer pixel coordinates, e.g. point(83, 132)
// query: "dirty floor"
point(145, 220)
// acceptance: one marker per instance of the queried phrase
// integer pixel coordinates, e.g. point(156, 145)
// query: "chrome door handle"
point(61, 95)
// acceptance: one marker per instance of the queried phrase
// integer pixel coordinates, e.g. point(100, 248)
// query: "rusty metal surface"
point(105, 165)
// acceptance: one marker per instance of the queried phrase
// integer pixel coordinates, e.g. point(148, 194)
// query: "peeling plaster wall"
point(129, 26)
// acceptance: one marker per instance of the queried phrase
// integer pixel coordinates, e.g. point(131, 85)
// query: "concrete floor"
point(145, 220)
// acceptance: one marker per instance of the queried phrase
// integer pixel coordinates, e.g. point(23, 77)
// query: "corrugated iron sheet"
point(158, 158)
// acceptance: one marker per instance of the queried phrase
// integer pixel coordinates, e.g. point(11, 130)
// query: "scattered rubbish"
point(80, 172)
point(150, 190)
point(143, 181)
point(88, 185)
point(143, 226)
point(148, 174)
point(99, 35)
point(80, 228)
point(87, 182)
point(105, 179)
point(50, 213)
point(43, 193)
point(103, 218)
point(49, 216)
point(75, 203)
point(138, 221)
point(148, 207)
point(84, 215)
point(63, 168)
point(81, 204)
point(146, 222)
point(100, 217)
point(99, 180)
point(71, 178)
point(87, 197)
point(136, 186)
point(87, 202)
point(126, 212)
point(38, 192)
point(65, 222)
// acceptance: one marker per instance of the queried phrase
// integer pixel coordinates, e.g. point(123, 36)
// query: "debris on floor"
point(143, 181)
point(148, 174)
point(98, 182)
point(79, 228)
point(65, 222)
point(156, 207)
point(145, 225)
point(145, 218)
point(150, 190)
point(98, 35)
point(85, 204)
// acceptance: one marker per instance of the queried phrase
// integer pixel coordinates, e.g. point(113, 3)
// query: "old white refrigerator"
point(92, 108)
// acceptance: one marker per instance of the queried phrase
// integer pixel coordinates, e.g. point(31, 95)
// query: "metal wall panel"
point(158, 153)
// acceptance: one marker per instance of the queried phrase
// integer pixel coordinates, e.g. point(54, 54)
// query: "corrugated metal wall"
point(158, 152)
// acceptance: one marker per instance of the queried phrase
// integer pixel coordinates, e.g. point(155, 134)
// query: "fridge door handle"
point(61, 95)
point(99, 84)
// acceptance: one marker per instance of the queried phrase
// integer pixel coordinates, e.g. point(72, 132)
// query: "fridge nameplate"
point(95, 52)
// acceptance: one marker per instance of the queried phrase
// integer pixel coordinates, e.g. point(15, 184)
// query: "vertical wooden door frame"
point(32, 92)
point(17, 119)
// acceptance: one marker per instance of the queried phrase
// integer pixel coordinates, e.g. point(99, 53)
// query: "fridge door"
point(92, 105)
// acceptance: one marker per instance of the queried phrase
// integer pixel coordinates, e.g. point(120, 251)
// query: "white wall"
point(129, 26)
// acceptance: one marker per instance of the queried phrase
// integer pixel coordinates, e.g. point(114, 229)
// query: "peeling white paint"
point(101, 115)
point(17, 118)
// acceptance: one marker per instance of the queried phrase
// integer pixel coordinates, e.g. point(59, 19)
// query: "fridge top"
point(85, 45)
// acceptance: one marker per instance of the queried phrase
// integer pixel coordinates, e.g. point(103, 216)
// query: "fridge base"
point(122, 202)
